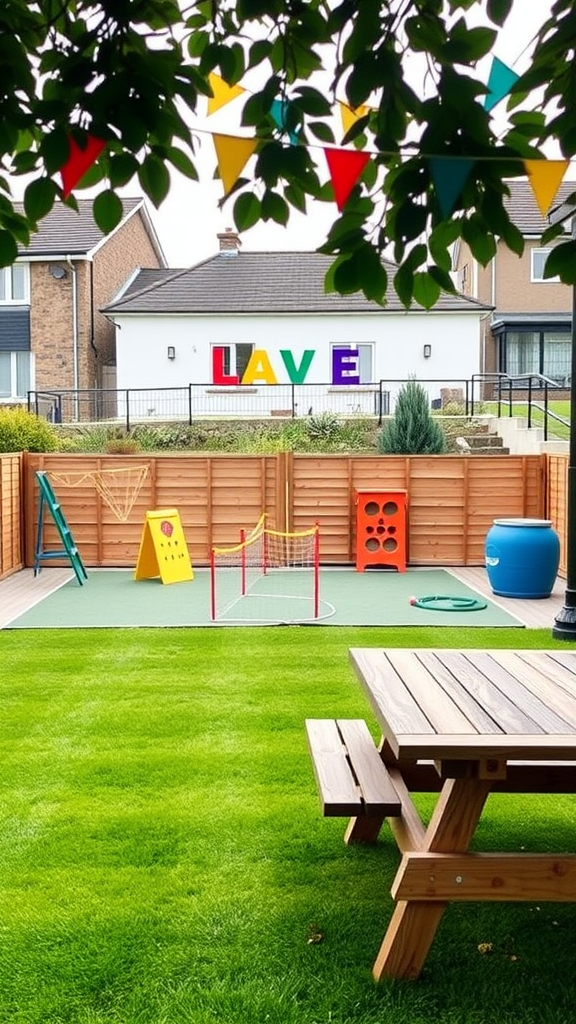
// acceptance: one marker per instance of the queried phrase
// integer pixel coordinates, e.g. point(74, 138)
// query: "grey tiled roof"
point(65, 232)
point(523, 210)
point(258, 282)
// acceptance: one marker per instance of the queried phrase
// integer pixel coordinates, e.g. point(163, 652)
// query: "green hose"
point(442, 603)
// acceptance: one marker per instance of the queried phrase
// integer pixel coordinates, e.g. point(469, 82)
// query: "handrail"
point(544, 383)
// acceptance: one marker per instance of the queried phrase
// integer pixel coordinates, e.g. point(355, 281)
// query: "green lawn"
point(556, 430)
point(164, 860)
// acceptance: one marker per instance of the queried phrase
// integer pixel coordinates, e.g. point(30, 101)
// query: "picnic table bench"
point(463, 724)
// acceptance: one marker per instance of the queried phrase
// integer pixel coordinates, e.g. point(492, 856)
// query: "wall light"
point(427, 351)
point(171, 352)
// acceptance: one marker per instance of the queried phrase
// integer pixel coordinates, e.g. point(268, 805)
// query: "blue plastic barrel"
point(522, 557)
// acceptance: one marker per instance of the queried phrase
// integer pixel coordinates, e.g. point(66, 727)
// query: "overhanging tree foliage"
point(130, 72)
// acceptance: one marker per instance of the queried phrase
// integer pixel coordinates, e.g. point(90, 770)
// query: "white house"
point(255, 333)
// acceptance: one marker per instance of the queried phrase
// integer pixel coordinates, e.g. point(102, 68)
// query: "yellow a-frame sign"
point(163, 551)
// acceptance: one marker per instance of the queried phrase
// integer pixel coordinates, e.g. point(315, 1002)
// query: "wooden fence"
point(11, 516)
point(556, 499)
point(452, 500)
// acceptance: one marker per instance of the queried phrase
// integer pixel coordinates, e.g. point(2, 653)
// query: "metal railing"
point(127, 406)
point(208, 401)
point(507, 386)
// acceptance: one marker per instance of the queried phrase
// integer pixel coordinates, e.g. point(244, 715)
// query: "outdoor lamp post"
point(565, 622)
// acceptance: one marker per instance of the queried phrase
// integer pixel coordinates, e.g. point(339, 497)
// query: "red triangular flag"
point(79, 161)
point(345, 166)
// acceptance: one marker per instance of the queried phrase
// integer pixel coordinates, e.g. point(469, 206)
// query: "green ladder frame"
point(47, 498)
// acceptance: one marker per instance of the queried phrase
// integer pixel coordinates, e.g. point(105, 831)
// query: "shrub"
point(122, 446)
point(22, 431)
point(322, 426)
point(412, 430)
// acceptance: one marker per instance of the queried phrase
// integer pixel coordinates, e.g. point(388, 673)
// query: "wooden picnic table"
point(476, 721)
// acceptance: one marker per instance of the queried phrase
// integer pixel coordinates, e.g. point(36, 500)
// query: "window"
point(15, 374)
point(539, 257)
point(235, 359)
point(557, 357)
point(548, 352)
point(15, 283)
point(362, 365)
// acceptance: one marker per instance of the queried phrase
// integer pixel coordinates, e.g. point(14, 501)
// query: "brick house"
point(529, 328)
point(52, 335)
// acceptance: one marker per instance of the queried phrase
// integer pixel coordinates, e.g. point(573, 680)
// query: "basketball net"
point(118, 488)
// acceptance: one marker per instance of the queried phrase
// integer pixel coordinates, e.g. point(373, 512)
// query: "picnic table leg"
point(414, 922)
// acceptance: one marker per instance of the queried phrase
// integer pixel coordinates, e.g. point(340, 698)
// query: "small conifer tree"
point(412, 430)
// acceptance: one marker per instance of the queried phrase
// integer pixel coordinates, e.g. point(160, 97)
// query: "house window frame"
point(7, 274)
point(231, 365)
point(14, 374)
point(539, 250)
point(369, 346)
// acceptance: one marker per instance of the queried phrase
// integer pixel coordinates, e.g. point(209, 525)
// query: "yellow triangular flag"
point(545, 178)
point(350, 115)
point(223, 93)
point(232, 155)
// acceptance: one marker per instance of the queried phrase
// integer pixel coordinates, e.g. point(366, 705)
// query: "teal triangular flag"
point(500, 81)
point(448, 175)
point(278, 113)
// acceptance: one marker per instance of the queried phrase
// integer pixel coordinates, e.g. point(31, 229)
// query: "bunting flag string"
point(545, 177)
point(223, 93)
point(500, 81)
point(345, 166)
point(79, 161)
point(232, 155)
point(449, 175)
point(349, 115)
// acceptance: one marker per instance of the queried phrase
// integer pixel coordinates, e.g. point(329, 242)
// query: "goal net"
point(268, 577)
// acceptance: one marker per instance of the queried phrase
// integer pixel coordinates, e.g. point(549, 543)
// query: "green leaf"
point(182, 162)
point(426, 291)
point(121, 168)
point(154, 179)
point(275, 208)
point(39, 198)
point(55, 150)
point(498, 10)
point(562, 262)
point(321, 131)
point(247, 211)
point(8, 249)
point(482, 243)
point(404, 284)
point(107, 210)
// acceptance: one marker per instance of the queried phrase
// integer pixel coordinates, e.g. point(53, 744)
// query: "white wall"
point(398, 339)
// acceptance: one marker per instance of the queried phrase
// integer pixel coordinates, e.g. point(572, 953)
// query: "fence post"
point(127, 411)
point(189, 405)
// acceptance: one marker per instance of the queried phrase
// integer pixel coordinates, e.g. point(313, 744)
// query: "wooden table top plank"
point(482, 721)
point(385, 689)
point(554, 669)
point(513, 688)
point(475, 670)
point(546, 689)
point(565, 658)
point(534, 713)
point(437, 705)
point(537, 747)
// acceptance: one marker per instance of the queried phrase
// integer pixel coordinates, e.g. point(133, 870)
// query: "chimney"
point(229, 242)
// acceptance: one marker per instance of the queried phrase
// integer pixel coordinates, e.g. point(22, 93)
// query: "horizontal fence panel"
point(451, 500)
